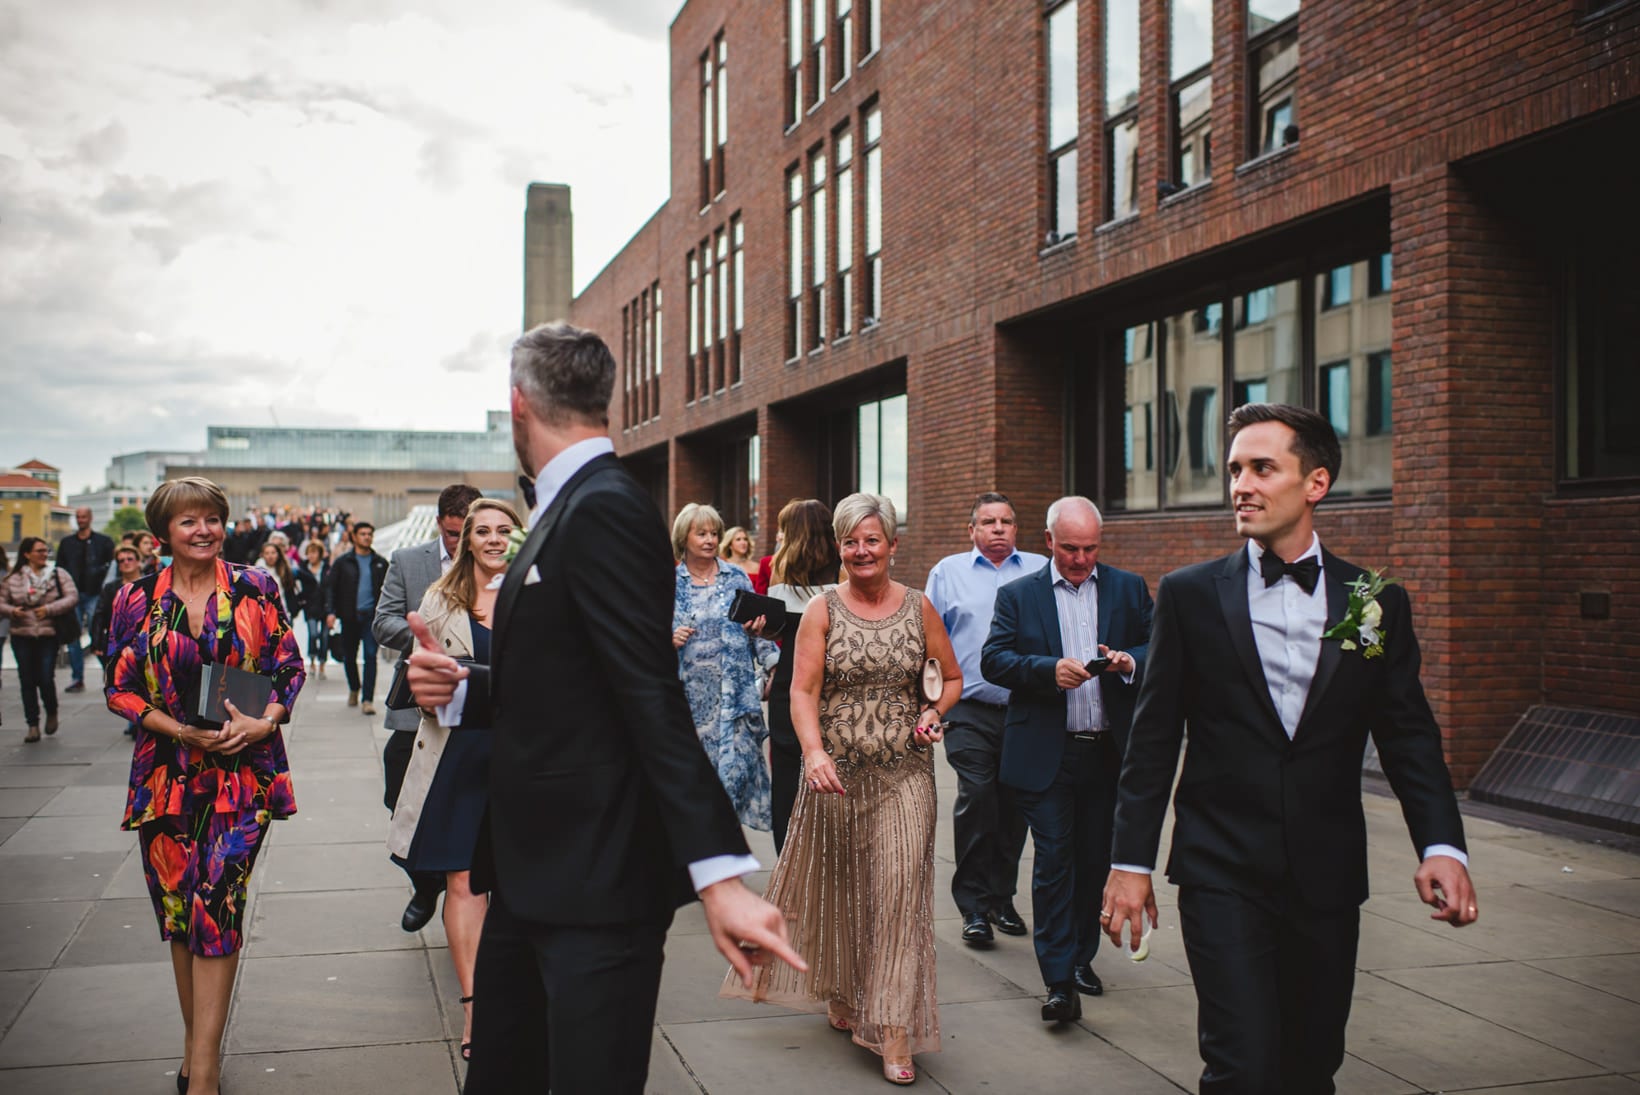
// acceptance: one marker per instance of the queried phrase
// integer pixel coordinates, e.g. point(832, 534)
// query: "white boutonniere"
point(1362, 625)
point(515, 541)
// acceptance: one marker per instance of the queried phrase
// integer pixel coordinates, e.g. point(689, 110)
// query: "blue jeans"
point(86, 609)
point(317, 636)
point(36, 664)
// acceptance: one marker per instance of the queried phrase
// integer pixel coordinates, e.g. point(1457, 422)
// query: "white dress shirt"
point(1078, 611)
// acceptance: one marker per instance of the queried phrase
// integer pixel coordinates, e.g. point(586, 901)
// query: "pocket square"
point(532, 575)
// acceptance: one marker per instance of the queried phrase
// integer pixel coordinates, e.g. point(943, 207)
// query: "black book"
point(250, 692)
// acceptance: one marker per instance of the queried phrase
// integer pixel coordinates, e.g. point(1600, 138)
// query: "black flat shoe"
point(1062, 1006)
point(419, 911)
point(1008, 920)
point(976, 930)
point(182, 1083)
point(1088, 983)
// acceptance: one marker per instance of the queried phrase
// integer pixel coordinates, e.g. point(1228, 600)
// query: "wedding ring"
point(1105, 915)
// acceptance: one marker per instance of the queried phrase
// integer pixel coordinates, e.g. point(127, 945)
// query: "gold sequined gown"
point(856, 877)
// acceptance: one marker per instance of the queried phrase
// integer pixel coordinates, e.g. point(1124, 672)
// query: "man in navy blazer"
point(1069, 643)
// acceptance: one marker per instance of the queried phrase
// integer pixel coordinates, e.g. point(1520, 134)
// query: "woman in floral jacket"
point(201, 793)
point(719, 661)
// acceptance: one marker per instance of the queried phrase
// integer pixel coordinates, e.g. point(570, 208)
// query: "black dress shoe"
point(419, 911)
point(976, 930)
point(1063, 1006)
point(1007, 919)
point(1088, 983)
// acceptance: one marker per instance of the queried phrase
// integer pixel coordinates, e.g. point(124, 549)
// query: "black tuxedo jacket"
point(600, 794)
point(1023, 648)
point(1253, 809)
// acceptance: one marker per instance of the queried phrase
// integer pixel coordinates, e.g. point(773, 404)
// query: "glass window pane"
point(870, 449)
point(818, 207)
point(794, 33)
point(1195, 367)
point(1062, 75)
point(895, 456)
point(1335, 287)
point(1064, 194)
point(1380, 275)
point(1269, 346)
point(1379, 418)
point(1123, 168)
point(1192, 112)
point(1273, 70)
point(1137, 490)
point(1121, 55)
point(1191, 36)
point(1335, 397)
point(874, 126)
point(1350, 330)
point(1264, 14)
point(845, 219)
point(874, 201)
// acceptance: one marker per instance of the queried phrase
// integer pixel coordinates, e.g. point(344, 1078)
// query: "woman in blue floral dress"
point(723, 664)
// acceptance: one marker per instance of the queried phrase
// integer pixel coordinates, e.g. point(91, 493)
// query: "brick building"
point(935, 247)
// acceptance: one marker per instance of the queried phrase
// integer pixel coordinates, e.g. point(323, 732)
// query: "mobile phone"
point(1097, 666)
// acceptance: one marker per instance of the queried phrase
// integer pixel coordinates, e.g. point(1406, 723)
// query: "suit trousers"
point(988, 828)
point(565, 1008)
point(1273, 984)
point(1071, 823)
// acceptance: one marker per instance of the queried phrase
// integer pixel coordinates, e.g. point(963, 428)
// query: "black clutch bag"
point(476, 712)
point(748, 606)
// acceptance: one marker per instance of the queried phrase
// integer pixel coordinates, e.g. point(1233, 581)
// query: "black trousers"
point(1071, 822)
point(988, 828)
point(36, 673)
point(785, 764)
point(353, 637)
point(1273, 984)
point(570, 1009)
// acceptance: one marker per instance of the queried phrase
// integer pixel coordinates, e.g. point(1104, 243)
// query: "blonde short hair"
point(183, 495)
point(863, 506)
point(695, 513)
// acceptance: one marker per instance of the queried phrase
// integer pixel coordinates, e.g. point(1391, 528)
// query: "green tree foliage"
point(125, 519)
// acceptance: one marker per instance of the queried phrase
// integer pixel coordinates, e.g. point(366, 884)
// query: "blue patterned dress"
point(719, 667)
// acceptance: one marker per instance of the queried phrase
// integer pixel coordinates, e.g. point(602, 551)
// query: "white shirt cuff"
point(717, 868)
point(449, 714)
point(1131, 869)
point(1447, 850)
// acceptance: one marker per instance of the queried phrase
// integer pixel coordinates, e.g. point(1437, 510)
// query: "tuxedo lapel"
point(1332, 651)
point(1232, 583)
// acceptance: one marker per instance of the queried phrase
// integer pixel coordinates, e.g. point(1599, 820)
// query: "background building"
point(549, 254)
point(375, 475)
point(147, 470)
point(104, 501)
point(934, 248)
point(29, 506)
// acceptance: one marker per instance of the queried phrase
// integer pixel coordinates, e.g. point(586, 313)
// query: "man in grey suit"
point(409, 573)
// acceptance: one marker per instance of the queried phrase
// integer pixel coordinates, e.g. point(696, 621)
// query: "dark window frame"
point(1056, 232)
point(1261, 142)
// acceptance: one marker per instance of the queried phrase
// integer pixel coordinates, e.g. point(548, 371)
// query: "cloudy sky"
point(302, 211)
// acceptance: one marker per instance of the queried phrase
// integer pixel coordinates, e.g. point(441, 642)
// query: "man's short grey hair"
point(989, 498)
point(861, 506)
point(1071, 503)
point(566, 373)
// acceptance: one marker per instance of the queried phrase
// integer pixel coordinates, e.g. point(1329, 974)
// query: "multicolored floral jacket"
point(159, 659)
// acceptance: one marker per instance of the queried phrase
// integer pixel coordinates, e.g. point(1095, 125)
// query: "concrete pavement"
point(1542, 996)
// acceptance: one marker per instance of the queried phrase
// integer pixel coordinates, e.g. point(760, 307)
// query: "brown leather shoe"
point(51, 724)
point(367, 708)
point(33, 734)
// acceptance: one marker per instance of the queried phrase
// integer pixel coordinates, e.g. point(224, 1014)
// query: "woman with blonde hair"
point(442, 800)
point(856, 877)
point(736, 550)
point(718, 661)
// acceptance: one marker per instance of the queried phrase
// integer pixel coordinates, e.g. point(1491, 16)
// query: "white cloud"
point(208, 210)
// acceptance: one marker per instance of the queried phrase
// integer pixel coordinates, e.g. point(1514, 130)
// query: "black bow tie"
point(1306, 572)
point(526, 488)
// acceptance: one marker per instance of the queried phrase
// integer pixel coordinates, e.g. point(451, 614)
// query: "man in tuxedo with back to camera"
point(604, 812)
point(409, 572)
point(1068, 642)
point(1269, 838)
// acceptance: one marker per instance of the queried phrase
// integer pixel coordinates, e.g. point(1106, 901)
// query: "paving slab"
point(1519, 922)
point(289, 868)
point(118, 932)
point(24, 802)
point(80, 876)
point(96, 1014)
point(328, 922)
point(16, 986)
point(1588, 1085)
point(1620, 895)
point(102, 802)
point(411, 1068)
point(1617, 974)
point(43, 775)
point(156, 1077)
point(1553, 1010)
point(9, 826)
point(330, 1001)
point(62, 835)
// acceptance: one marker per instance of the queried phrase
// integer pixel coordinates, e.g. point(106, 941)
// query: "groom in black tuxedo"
point(604, 812)
point(1269, 839)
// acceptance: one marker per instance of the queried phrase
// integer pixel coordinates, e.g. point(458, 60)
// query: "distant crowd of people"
point(585, 719)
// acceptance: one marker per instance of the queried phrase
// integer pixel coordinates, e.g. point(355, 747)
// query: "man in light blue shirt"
point(988, 827)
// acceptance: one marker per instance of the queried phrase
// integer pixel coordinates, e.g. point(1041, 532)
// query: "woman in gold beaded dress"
point(856, 876)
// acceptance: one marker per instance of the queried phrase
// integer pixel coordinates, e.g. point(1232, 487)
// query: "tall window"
point(640, 351)
point(708, 319)
point(843, 37)
point(1600, 386)
point(794, 62)
point(714, 120)
point(871, 25)
point(873, 126)
point(694, 325)
point(794, 263)
point(817, 52)
point(1062, 121)
point(1272, 73)
point(1121, 108)
point(721, 287)
point(1165, 386)
point(1190, 93)
point(883, 451)
point(844, 283)
point(817, 249)
point(737, 259)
